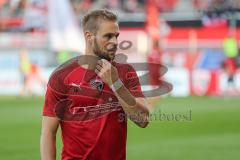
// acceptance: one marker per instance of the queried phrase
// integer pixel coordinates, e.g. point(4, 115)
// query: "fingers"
point(102, 66)
point(105, 62)
point(100, 62)
point(98, 68)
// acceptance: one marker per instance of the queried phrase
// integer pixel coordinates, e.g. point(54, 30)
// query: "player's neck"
point(89, 52)
point(90, 58)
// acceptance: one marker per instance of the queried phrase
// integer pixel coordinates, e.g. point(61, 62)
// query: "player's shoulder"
point(63, 70)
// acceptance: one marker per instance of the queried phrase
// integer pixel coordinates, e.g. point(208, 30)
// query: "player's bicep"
point(49, 125)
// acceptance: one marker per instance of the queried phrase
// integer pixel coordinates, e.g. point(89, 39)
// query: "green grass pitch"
point(213, 132)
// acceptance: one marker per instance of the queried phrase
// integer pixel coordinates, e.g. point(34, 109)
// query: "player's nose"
point(114, 40)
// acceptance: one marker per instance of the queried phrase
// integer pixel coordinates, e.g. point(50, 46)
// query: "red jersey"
point(92, 121)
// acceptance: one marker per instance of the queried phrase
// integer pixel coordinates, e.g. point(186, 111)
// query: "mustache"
point(114, 48)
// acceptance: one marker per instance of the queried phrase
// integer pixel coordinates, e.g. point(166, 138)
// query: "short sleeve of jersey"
point(51, 99)
point(54, 94)
point(132, 82)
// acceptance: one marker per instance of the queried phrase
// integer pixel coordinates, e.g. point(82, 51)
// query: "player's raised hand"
point(106, 71)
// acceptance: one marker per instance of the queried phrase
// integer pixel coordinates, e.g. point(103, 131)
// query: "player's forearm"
point(135, 110)
point(48, 146)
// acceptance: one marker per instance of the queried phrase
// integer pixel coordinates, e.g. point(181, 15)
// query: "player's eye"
point(108, 36)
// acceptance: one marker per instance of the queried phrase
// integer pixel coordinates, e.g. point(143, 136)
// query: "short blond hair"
point(91, 20)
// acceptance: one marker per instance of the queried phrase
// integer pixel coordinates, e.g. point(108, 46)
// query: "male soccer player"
point(90, 102)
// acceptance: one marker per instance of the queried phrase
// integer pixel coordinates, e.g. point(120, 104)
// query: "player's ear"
point(88, 36)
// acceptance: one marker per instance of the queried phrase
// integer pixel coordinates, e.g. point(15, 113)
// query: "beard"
point(98, 51)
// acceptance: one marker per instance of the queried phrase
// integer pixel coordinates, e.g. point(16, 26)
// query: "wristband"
point(116, 85)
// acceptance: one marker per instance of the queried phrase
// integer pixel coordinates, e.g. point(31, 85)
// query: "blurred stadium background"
point(198, 41)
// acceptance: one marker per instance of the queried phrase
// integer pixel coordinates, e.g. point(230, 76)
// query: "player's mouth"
point(113, 50)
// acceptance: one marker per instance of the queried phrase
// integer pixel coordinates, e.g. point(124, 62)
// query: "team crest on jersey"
point(97, 84)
